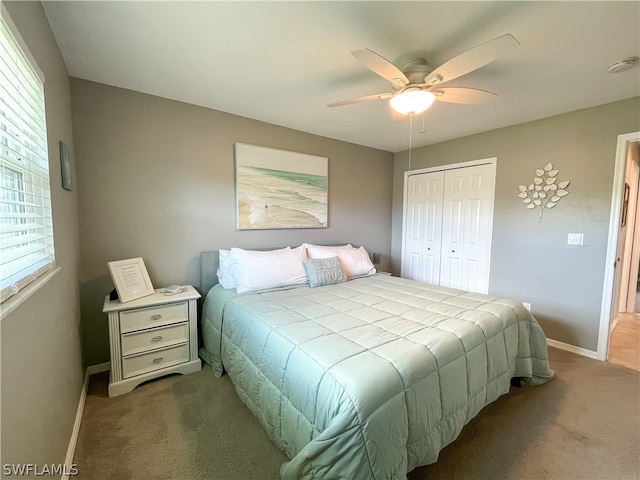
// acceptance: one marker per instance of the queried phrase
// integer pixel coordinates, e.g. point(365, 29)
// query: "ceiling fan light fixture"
point(412, 101)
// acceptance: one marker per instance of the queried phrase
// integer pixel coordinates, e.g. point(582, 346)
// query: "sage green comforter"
point(373, 377)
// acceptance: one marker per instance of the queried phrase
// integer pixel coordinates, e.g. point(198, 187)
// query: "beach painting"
point(280, 189)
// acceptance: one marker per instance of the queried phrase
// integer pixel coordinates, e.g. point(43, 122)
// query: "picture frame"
point(625, 205)
point(131, 279)
point(65, 167)
point(279, 189)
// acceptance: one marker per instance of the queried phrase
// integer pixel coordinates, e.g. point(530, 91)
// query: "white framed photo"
point(131, 279)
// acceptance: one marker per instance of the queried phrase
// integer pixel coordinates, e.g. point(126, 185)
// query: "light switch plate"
point(575, 239)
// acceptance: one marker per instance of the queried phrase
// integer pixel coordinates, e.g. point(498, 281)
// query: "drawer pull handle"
point(157, 360)
point(157, 316)
point(156, 339)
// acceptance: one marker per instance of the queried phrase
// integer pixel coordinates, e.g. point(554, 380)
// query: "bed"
point(369, 378)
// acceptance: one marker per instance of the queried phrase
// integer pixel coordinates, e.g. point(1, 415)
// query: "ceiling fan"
point(416, 85)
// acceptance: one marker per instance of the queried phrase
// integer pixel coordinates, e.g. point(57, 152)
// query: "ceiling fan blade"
point(472, 59)
point(366, 98)
point(463, 95)
point(381, 66)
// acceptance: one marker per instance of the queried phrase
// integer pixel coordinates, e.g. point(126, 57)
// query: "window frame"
point(33, 172)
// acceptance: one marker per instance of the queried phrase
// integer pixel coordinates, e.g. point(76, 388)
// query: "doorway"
point(619, 336)
point(624, 339)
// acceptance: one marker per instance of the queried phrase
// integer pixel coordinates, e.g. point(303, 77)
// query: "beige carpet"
point(583, 424)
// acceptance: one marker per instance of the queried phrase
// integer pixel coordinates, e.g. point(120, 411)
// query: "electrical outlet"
point(527, 305)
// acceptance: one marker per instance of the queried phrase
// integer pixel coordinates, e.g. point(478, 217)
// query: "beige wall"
point(156, 180)
point(531, 261)
point(41, 362)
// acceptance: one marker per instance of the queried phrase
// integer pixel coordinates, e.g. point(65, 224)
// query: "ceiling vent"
point(622, 65)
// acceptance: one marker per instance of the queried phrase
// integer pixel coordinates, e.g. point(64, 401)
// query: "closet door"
point(423, 227)
point(467, 228)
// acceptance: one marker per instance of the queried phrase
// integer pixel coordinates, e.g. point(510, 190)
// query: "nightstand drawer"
point(153, 317)
point(133, 343)
point(148, 362)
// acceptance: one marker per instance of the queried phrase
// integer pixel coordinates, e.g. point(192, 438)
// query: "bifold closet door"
point(448, 227)
point(467, 227)
point(423, 227)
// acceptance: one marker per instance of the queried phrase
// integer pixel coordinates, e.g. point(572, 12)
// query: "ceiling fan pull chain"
point(410, 132)
point(423, 130)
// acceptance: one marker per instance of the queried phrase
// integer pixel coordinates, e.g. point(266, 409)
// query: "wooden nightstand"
point(151, 337)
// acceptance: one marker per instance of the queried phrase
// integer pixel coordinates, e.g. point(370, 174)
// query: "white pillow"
point(322, 251)
point(254, 270)
point(224, 274)
point(355, 261)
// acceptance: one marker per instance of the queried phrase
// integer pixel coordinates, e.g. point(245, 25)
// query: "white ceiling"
point(283, 62)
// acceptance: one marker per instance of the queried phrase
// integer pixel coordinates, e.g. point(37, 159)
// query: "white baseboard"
point(573, 349)
point(71, 449)
point(99, 368)
point(613, 325)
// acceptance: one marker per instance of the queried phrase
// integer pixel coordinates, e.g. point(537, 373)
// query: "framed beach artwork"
point(280, 189)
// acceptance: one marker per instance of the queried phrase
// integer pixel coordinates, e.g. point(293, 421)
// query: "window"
point(26, 228)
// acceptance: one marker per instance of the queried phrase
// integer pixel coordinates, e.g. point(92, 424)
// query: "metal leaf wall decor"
point(545, 191)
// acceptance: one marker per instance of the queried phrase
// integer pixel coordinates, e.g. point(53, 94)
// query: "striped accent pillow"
point(324, 271)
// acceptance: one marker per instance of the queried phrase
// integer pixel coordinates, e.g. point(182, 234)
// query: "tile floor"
point(624, 341)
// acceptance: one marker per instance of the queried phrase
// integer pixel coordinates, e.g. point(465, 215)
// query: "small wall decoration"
point(280, 189)
point(545, 191)
point(65, 166)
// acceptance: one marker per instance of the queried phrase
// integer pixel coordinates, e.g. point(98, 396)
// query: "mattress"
point(370, 378)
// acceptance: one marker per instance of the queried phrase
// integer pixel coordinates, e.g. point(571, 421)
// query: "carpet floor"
point(583, 424)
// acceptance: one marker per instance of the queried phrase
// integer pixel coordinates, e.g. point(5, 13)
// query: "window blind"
point(26, 227)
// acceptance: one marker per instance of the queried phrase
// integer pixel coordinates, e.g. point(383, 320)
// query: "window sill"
point(15, 301)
